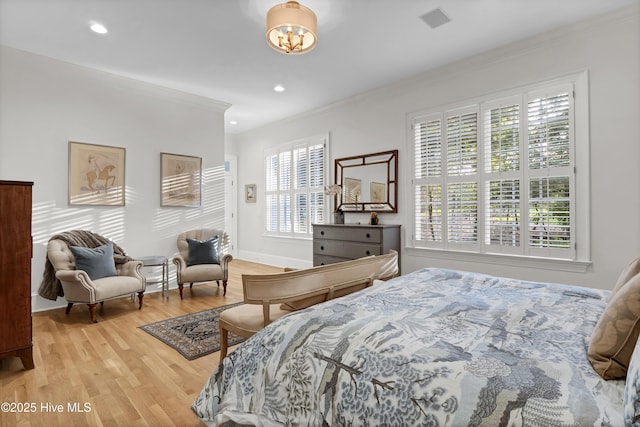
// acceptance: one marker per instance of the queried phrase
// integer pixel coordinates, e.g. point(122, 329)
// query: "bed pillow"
point(614, 337)
point(632, 390)
point(203, 252)
point(96, 262)
point(631, 270)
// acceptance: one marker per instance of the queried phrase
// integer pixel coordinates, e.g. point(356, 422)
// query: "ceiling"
point(217, 48)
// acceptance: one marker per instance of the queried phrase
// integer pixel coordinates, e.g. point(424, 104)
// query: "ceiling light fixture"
point(278, 88)
point(98, 28)
point(291, 28)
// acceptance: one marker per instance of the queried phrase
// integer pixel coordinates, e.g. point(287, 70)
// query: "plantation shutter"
point(428, 179)
point(301, 181)
point(498, 176)
point(294, 194)
point(271, 192)
point(317, 175)
point(462, 143)
point(503, 176)
point(462, 207)
point(284, 194)
point(462, 176)
point(551, 173)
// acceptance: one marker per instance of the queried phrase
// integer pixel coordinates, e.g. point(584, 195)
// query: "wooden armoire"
point(15, 271)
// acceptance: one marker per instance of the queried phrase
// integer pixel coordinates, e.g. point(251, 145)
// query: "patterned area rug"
point(193, 335)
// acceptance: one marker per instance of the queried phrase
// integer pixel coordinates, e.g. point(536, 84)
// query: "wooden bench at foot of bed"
point(267, 297)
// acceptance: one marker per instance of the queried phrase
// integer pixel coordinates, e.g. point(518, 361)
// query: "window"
point(498, 175)
point(295, 182)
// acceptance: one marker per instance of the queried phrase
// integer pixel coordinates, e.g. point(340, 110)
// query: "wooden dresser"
point(15, 271)
point(341, 242)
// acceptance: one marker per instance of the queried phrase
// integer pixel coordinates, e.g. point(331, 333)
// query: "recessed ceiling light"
point(279, 88)
point(98, 28)
point(233, 122)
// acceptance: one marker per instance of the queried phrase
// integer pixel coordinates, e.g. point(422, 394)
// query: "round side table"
point(157, 261)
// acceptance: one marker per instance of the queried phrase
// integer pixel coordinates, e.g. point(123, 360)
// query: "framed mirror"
point(369, 182)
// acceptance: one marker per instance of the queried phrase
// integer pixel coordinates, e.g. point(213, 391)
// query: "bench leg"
point(68, 308)
point(224, 338)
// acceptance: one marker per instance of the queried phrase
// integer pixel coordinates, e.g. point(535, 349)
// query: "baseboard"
point(278, 261)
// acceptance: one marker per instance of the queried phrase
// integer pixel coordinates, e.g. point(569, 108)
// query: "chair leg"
point(140, 295)
point(68, 308)
point(180, 285)
point(218, 282)
point(224, 338)
point(92, 312)
point(224, 284)
point(191, 285)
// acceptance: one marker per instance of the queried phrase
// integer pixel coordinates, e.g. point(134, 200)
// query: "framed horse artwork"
point(96, 174)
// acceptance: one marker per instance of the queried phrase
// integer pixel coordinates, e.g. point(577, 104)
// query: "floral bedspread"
point(432, 348)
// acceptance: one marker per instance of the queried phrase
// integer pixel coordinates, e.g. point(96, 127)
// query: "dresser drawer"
point(344, 249)
point(341, 242)
point(327, 259)
point(353, 234)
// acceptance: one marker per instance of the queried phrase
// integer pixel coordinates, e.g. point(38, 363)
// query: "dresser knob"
point(322, 233)
point(368, 253)
point(368, 235)
point(322, 248)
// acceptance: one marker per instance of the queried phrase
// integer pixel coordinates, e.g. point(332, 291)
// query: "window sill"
point(573, 266)
point(287, 237)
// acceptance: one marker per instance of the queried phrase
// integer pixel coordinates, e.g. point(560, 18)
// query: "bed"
point(435, 347)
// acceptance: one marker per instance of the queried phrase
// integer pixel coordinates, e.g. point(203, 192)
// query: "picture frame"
point(378, 192)
point(250, 194)
point(352, 192)
point(180, 180)
point(96, 175)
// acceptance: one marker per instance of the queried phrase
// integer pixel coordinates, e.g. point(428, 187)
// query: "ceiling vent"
point(435, 18)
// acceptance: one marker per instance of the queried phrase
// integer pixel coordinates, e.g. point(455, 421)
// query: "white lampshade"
point(291, 28)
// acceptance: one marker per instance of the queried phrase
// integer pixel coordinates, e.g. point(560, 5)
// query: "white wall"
point(608, 47)
point(45, 103)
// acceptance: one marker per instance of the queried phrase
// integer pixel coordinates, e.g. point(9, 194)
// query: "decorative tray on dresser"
point(341, 242)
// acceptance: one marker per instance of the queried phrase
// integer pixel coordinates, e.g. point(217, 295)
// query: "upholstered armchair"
point(203, 257)
point(75, 276)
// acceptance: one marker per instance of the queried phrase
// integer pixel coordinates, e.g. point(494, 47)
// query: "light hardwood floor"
point(123, 375)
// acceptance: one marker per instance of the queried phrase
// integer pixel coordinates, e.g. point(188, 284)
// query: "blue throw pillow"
point(203, 252)
point(96, 262)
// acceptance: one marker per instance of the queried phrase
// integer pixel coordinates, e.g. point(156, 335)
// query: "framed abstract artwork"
point(180, 180)
point(96, 175)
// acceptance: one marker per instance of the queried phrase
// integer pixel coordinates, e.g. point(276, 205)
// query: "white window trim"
point(581, 164)
point(291, 145)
